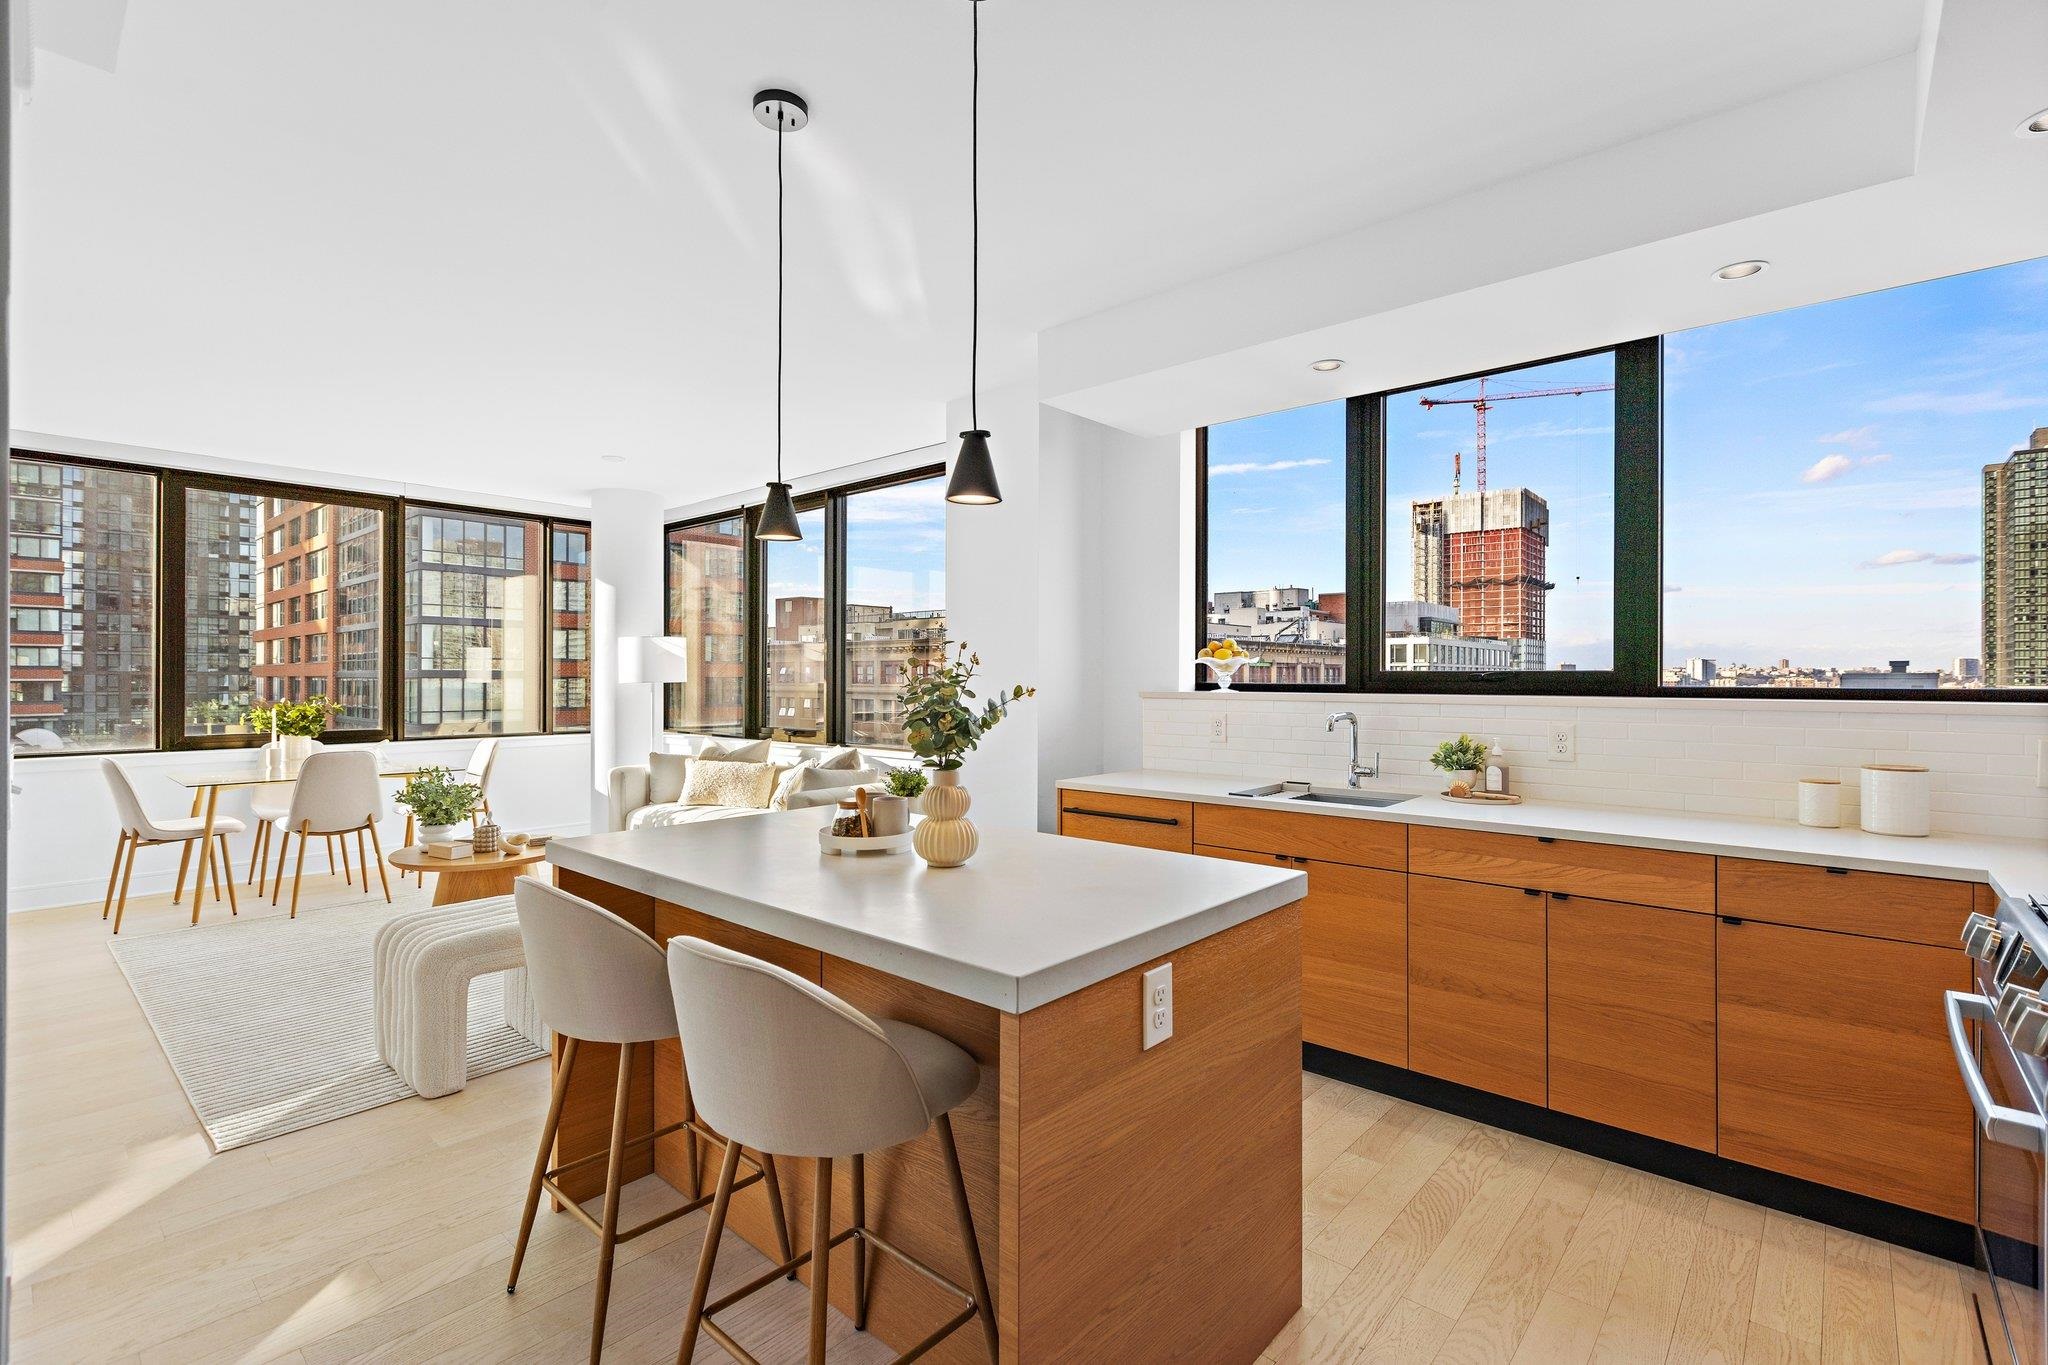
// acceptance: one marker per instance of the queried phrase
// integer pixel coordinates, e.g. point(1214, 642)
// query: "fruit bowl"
point(1223, 670)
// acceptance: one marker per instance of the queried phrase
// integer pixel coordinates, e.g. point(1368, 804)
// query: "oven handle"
point(2013, 1127)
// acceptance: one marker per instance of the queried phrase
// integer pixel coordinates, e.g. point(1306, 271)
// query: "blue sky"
point(895, 550)
point(1822, 469)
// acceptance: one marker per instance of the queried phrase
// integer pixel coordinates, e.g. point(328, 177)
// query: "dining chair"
point(141, 830)
point(336, 793)
point(269, 806)
point(481, 761)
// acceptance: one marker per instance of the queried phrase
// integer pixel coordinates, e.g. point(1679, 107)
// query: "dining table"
point(206, 785)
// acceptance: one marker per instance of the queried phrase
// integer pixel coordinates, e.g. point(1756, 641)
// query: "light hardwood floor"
point(386, 1235)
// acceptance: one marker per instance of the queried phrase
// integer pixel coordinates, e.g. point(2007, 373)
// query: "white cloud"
point(1893, 558)
point(1261, 466)
point(1856, 438)
point(1958, 404)
point(1834, 466)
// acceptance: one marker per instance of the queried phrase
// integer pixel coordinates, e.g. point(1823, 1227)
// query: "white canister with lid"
point(1896, 798)
point(1820, 802)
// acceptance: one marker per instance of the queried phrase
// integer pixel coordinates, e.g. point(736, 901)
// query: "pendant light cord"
point(974, 197)
point(781, 117)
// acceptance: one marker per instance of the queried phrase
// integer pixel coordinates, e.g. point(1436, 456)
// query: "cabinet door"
point(1632, 1018)
point(1835, 1063)
point(1354, 955)
point(1139, 821)
point(1476, 994)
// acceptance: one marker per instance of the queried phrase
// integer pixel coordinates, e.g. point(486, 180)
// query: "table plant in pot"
point(891, 813)
point(292, 727)
point(439, 803)
point(943, 722)
point(1460, 760)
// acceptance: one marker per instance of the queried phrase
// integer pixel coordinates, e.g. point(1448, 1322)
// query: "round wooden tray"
point(1480, 799)
point(828, 842)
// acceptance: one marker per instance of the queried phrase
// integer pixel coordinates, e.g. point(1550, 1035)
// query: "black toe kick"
point(1922, 1232)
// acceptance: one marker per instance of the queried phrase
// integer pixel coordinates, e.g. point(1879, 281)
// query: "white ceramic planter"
point(437, 834)
point(1896, 799)
point(1820, 802)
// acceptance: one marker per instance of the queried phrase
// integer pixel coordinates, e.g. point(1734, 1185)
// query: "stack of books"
point(457, 848)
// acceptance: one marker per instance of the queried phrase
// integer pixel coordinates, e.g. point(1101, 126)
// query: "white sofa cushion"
point(725, 783)
point(737, 750)
point(665, 774)
point(673, 813)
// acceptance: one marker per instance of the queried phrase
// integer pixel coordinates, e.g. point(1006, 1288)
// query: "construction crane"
point(1484, 402)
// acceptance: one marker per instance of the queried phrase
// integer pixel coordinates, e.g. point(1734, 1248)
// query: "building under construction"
point(1486, 554)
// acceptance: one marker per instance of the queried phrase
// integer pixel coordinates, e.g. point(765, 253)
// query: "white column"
point(625, 600)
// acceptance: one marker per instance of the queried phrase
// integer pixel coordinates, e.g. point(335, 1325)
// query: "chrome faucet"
point(1356, 772)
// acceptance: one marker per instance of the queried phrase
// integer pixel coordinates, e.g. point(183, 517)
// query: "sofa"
point(655, 793)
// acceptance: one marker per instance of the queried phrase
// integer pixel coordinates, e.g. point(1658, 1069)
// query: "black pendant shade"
point(974, 473)
point(778, 516)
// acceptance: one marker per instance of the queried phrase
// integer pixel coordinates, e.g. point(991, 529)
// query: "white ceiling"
point(482, 244)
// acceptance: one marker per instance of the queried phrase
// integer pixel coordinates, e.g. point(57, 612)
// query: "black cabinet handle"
point(1124, 815)
point(1545, 839)
point(1531, 891)
point(1559, 896)
point(1836, 871)
point(1730, 919)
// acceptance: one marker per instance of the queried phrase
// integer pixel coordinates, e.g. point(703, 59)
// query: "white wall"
point(626, 592)
point(61, 829)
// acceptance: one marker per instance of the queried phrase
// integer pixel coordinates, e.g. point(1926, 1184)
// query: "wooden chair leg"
point(114, 875)
point(540, 1163)
point(209, 866)
point(693, 1317)
point(346, 876)
point(127, 870)
point(362, 860)
point(821, 1257)
point(614, 1172)
point(383, 878)
point(860, 1244)
point(773, 1181)
point(228, 866)
point(277, 875)
point(255, 853)
point(184, 861)
point(262, 858)
point(977, 1277)
point(299, 868)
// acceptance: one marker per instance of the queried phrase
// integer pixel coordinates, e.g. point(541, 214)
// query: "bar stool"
point(783, 1066)
point(595, 978)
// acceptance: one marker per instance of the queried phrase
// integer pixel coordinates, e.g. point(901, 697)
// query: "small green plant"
point(1463, 754)
point(435, 798)
point(938, 724)
point(308, 717)
point(907, 782)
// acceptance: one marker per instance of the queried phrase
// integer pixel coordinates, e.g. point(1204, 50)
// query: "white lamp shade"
point(654, 659)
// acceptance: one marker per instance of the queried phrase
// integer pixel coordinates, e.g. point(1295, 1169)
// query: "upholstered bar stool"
point(783, 1066)
point(597, 979)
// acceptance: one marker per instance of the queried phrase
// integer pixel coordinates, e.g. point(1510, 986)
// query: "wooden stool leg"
point(770, 1178)
point(821, 1257)
point(127, 870)
point(977, 1276)
point(708, 1257)
point(540, 1163)
point(860, 1244)
point(228, 866)
point(114, 875)
point(615, 1166)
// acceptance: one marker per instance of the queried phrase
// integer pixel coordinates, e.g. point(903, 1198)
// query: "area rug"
point(270, 1024)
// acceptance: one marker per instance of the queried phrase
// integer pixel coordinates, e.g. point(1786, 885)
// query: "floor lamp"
point(654, 660)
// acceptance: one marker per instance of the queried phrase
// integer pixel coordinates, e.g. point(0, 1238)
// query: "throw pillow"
point(665, 778)
point(830, 779)
point(787, 785)
point(749, 786)
point(736, 751)
point(835, 760)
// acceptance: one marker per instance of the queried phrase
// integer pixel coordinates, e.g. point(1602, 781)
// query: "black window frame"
point(1638, 564)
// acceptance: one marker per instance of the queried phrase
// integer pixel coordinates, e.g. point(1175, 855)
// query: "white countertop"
point(2012, 867)
point(1032, 918)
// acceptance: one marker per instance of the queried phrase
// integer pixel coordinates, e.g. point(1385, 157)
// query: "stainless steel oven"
point(2000, 1034)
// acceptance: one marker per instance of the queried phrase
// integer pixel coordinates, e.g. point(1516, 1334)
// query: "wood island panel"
point(1928, 910)
point(1476, 993)
point(1324, 838)
point(1616, 872)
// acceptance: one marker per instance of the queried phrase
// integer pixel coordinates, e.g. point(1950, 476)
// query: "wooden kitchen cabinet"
point(1139, 821)
point(1354, 955)
point(1638, 876)
point(1835, 1063)
point(1477, 995)
point(1632, 1018)
point(1926, 910)
point(1325, 838)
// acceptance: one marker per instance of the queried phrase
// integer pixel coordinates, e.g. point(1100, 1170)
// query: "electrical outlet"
point(1219, 730)
point(1564, 742)
point(1158, 1005)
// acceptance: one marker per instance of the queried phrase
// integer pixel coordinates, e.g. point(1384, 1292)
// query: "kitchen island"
point(1131, 1202)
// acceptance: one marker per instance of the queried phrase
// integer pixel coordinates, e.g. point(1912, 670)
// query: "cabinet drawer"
point(1477, 1000)
point(1877, 904)
point(1325, 838)
point(1643, 876)
point(1140, 821)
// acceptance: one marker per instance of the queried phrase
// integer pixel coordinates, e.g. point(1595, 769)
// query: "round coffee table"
point(472, 878)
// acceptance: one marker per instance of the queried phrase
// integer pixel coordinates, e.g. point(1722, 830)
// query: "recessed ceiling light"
point(1325, 366)
point(2037, 126)
point(1740, 270)
point(613, 459)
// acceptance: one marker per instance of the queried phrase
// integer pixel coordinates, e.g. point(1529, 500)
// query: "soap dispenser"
point(1494, 781)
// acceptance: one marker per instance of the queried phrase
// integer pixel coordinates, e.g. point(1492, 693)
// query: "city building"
point(1967, 670)
point(1426, 637)
point(1897, 673)
point(707, 567)
point(2015, 562)
point(1296, 633)
point(1486, 554)
point(1700, 670)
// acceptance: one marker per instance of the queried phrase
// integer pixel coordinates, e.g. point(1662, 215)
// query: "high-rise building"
point(1701, 670)
point(2016, 567)
point(1486, 554)
point(478, 626)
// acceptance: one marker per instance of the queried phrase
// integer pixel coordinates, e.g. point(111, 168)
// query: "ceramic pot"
point(437, 834)
point(1469, 776)
point(889, 815)
point(297, 749)
point(946, 838)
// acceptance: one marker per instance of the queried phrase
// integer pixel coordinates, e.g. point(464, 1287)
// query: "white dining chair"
point(481, 761)
point(139, 829)
point(269, 806)
point(336, 793)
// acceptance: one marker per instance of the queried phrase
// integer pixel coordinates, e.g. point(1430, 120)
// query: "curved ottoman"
point(423, 964)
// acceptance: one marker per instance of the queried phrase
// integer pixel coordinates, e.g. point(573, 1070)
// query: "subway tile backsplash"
point(1714, 756)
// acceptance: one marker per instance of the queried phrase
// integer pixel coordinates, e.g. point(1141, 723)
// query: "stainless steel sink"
point(1348, 798)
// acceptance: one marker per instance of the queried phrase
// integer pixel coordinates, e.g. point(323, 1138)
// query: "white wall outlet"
point(1219, 729)
point(1564, 742)
point(1158, 1005)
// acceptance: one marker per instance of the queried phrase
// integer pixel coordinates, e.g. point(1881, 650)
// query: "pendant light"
point(785, 113)
point(974, 474)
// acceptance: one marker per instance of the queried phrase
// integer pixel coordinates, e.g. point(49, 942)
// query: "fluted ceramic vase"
point(945, 837)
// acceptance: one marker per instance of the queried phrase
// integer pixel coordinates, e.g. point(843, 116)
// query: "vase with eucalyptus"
point(943, 722)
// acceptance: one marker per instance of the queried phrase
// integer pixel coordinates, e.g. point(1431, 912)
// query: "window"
point(316, 562)
point(476, 624)
point(1508, 568)
point(895, 601)
point(795, 634)
point(82, 579)
point(569, 668)
point(707, 566)
point(1274, 491)
point(1857, 493)
point(244, 614)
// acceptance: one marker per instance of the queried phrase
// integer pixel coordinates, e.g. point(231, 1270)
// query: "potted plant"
point(943, 722)
point(292, 725)
point(1460, 759)
point(891, 812)
point(439, 803)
